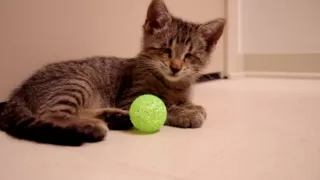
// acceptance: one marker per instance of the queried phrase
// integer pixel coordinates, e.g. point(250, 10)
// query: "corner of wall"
point(234, 57)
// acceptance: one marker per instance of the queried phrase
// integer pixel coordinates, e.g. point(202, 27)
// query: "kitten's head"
point(178, 49)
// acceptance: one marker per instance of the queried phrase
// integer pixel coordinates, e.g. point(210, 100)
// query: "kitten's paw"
point(119, 122)
point(116, 120)
point(193, 119)
point(188, 117)
point(93, 131)
point(201, 110)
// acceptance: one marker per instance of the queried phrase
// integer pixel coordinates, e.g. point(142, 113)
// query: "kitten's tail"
point(2, 104)
point(18, 121)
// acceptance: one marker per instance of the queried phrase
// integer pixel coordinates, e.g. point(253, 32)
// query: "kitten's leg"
point(186, 116)
point(54, 127)
point(117, 119)
point(99, 111)
point(87, 128)
point(57, 121)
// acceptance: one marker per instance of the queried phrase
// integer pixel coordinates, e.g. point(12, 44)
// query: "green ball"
point(148, 113)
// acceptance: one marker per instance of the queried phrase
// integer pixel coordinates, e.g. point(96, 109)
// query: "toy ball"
point(148, 113)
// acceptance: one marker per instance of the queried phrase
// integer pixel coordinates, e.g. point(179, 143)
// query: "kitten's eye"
point(170, 42)
point(168, 51)
point(188, 55)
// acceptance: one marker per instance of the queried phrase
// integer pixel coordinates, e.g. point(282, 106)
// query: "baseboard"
point(237, 75)
point(283, 75)
point(288, 63)
point(297, 75)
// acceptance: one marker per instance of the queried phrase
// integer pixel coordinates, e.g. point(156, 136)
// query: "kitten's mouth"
point(173, 77)
point(174, 74)
point(170, 75)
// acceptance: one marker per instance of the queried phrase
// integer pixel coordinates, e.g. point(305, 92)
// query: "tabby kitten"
point(73, 102)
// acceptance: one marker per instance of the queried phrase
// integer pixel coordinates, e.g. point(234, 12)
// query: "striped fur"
point(75, 101)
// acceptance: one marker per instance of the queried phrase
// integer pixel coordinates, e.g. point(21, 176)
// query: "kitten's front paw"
point(119, 122)
point(187, 117)
point(92, 131)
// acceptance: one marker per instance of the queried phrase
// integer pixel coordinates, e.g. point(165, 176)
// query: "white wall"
point(36, 32)
point(280, 26)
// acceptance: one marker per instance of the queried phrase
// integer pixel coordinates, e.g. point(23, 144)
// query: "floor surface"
point(257, 129)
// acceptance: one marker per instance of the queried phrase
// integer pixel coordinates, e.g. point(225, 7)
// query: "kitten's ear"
point(158, 17)
point(212, 31)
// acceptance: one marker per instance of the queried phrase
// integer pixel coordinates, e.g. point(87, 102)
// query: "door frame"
point(233, 64)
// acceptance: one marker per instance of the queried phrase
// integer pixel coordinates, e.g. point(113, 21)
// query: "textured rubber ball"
point(148, 113)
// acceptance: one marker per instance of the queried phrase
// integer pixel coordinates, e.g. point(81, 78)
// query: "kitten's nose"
point(175, 65)
point(175, 70)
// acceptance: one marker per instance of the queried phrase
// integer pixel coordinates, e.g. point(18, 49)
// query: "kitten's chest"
point(169, 95)
point(140, 85)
